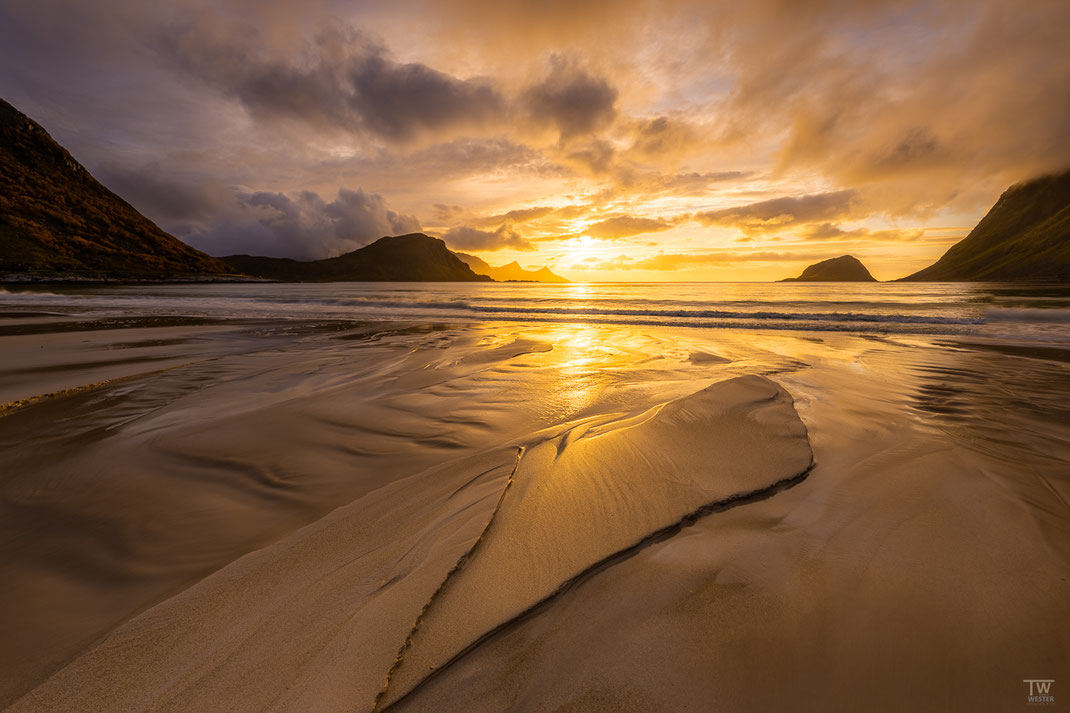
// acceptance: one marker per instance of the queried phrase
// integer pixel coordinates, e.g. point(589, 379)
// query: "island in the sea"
point(846, 268)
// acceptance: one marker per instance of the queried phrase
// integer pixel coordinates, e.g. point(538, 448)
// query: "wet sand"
point(261, 515)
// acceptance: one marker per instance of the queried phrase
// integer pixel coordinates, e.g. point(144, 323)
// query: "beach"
point(258, 498)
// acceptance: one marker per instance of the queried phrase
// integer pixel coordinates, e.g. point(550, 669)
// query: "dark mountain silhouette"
point(56, 220)
point(512, 271)
point(846, 268)
point(1025, 236)
point(405, 258)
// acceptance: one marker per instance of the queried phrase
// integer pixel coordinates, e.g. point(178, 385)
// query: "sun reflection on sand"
point(581, 354)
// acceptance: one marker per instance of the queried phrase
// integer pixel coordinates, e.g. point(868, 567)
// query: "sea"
point(998, 311)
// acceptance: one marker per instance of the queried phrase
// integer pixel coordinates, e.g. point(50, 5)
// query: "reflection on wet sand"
point(265, 522)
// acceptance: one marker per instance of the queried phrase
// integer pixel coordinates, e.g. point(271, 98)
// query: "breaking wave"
point(927, 310)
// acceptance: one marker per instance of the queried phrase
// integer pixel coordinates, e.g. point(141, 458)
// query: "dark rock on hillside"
point(57, 221)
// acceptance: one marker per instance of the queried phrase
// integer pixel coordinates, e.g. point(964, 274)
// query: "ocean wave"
point(685, 314)
point(793, 325)
point(348, 308)
point(732, 315)
point(1028, 314)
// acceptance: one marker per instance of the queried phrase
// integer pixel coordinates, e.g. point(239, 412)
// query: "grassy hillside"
point(1025, 236)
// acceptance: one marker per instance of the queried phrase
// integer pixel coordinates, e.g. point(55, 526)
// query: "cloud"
point(467, 238)
point(685, 261)
point(778, 213)
point(570, 212)
point(175, 200)
point(515, 216)
point(594, 157)
point(693, 183)
point(918, 108)
point(341, 78)
point(927, 103)
point(467, 156)
point(623, 226)
point(627, 182)
point(344, 78)
point(303, 225)
point(446, 213)
point(663, 138)
point(828, 231)
point(575, 102)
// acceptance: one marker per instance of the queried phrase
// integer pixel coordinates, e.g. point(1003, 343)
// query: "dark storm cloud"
point(344, 78)
point(784, 212)
point(168, 197)
point(574, 101)
point(303, 226)
point(341, 78)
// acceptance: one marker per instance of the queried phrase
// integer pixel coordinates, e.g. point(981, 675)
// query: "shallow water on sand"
point(206, 506)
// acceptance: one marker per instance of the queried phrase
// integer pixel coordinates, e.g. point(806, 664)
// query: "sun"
point(580, 247)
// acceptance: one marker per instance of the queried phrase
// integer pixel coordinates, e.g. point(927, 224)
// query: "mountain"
point(512, 271)
point(846, 268)
point(56, 220)
point(405, 258)
point(1025, 236)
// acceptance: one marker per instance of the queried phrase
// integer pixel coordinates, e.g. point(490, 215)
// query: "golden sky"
point(612, 140)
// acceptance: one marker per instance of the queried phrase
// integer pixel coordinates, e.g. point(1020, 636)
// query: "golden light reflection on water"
point(583, 368)
point(582, 355)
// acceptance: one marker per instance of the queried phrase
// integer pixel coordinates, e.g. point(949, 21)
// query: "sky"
point(611, 140)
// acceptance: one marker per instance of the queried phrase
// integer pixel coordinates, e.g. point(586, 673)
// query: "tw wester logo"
point(1040, 691)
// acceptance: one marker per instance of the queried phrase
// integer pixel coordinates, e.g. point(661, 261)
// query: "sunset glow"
point(623, 140)
point(569, 356)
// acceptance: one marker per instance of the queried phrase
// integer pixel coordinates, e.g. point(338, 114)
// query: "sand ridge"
point(600, 488)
